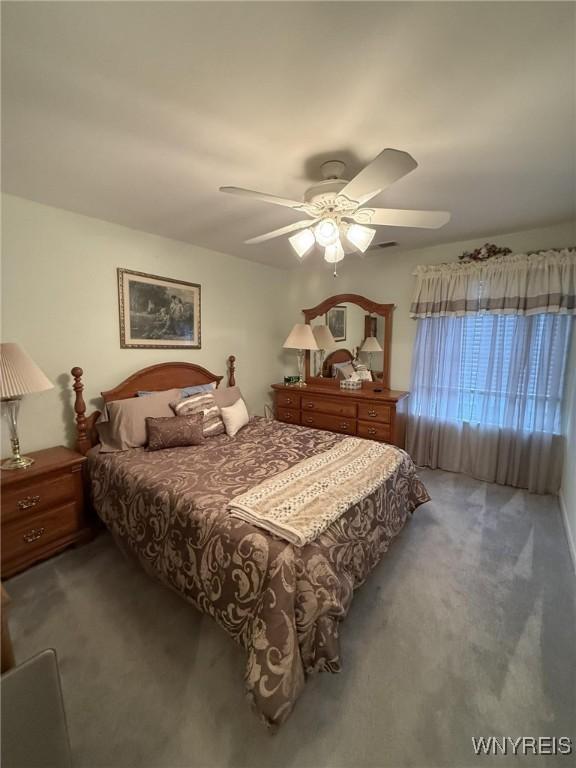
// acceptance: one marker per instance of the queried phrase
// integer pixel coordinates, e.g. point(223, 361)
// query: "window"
point(498, 370)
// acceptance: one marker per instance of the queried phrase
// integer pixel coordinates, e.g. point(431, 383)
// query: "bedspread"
point(281, 602)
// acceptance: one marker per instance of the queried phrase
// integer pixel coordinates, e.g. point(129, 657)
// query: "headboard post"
point(231, 371)
point(82, 441)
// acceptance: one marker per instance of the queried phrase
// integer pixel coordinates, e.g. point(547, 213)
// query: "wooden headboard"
point(338, 356)
point(155, 378)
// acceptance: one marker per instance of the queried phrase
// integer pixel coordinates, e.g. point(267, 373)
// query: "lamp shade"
point(360, 236)
point(20, 374)
point(301, 337)
point(371, 345)
point(323, 336)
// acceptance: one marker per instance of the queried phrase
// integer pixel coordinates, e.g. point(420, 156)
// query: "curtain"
point(520, 284)
point(486, 397)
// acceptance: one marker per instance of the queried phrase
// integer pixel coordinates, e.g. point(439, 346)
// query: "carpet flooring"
point(466, 628)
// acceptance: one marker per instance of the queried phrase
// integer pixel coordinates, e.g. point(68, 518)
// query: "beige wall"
point(568, 489)
point(387, 277)
point(59, 301)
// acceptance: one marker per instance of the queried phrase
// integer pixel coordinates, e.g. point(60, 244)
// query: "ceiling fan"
point(337, 217)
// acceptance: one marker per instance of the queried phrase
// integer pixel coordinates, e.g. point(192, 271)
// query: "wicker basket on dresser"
point(42, 508)
point(363, 412)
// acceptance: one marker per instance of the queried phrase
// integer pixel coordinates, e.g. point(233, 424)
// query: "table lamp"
point(20, 376)
point(325, 340)
point(301, 338)
point(371, 345)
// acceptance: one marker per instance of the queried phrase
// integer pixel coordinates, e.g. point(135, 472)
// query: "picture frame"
point(158, 312)
point(336, 318)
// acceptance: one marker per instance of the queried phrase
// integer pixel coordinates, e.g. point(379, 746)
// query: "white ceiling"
point(137, 112)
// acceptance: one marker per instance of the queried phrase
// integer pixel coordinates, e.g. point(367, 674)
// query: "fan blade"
point(391, 217)
point(388, 167)
point(282, 231)
point(298, 205)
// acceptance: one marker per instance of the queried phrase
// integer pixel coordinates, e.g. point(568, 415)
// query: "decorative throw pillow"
point(227, 396)
point(174, 431)
point(213, 424)
point(124, 424)
point(235, 417)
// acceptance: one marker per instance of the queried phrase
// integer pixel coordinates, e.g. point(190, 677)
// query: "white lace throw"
point(301, 502)
point(518, 284)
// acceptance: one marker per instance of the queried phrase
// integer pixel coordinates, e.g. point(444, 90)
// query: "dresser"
point(42, 508)
point(362, 412)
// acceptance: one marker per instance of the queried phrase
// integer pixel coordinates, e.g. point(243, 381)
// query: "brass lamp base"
point(17, 462)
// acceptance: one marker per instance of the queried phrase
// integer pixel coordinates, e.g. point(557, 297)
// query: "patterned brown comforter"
point(281, 602)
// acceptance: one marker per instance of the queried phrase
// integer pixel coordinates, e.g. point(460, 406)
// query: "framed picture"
point(336, 321)
point(158, 312)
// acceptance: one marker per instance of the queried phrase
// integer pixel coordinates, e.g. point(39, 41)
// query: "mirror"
point(362, 331)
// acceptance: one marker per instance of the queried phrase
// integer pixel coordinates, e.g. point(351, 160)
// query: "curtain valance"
point(519, 284)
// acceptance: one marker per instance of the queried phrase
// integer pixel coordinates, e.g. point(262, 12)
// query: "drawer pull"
point(308, 405)
point(28, 501)
point(372, 413)
point(344, 425)
point(33, 535)
point(288, 400)
point(309, 420)
point(371, 430)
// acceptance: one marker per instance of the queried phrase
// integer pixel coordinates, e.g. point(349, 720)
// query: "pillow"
point(174, 431)
point(227, 397)
point(125, 424)
point(186, 391)
point(235, 417)
point(343, 370)
point(213, 424)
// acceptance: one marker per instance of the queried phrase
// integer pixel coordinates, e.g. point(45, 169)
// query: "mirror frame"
point(373, 307)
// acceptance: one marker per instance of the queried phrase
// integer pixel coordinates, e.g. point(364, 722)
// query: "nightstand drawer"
point(288, 415)
point(45, 493)
point(374, 412)
point(374, 431)
point(332, 423)
point(321, 405)
point(32, 532)
point(288, 399)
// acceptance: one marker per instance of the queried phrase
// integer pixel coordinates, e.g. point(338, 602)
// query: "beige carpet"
point(467, 628)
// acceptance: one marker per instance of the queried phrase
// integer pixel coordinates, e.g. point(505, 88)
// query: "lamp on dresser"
point(301, 338)
point(371, 345)
point(20, 376)
point(325, 341)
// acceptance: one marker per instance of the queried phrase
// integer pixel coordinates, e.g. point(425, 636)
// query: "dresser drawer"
point(374, 412)
point(321, 405)
point(33, 532)
point(332, 423)
point(374, 430)
point(288, 399)
point(36, 497)
point(288, 415)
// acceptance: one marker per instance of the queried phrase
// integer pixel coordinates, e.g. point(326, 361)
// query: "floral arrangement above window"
point(486, 251)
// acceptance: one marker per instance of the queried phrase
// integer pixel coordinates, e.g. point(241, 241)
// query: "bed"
point(282, 603)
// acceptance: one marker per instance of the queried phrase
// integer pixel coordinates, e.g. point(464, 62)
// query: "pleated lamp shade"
point(371, 345)
point(323, 336)
point(19, 373)
point(301, 337)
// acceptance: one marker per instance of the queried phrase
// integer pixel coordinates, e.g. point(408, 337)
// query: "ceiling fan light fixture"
point(334, 253)
point(327, 232)
point(360, 236)
point(302, 242)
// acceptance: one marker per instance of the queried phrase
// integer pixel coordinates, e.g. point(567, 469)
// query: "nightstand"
point(42, 508)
